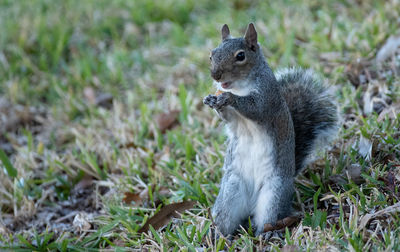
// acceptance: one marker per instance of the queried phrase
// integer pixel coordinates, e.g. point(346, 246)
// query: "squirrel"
point(274, 124)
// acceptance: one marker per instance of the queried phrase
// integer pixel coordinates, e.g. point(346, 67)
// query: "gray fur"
point(313, 110)
point(259, 110)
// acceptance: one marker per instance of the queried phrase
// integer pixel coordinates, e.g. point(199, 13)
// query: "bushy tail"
point(313, 110)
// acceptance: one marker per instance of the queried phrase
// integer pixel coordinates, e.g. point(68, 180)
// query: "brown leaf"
point(166, 121)
point(280, 224)
point(129, 197)
point(165, 214)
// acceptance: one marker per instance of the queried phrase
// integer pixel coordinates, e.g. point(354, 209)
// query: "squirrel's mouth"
point(226, 85)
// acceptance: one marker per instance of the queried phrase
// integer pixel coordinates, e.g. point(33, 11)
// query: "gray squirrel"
point(274, 124)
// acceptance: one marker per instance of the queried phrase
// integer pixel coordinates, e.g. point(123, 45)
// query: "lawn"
point(102, 123)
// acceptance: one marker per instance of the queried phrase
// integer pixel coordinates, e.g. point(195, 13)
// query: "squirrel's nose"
point(216, 74)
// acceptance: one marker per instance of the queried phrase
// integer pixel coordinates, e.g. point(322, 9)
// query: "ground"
point(102, 123)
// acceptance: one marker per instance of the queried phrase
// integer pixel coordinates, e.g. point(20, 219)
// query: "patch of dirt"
point(13, 118)
point(59, 216)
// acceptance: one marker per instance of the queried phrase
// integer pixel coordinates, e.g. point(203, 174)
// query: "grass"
point(66, 149)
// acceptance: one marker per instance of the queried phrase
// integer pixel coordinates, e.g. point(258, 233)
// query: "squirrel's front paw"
point(217, 102)
point(210, 100)
point(223, 100)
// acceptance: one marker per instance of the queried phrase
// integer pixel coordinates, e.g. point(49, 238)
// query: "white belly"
point(252, 156)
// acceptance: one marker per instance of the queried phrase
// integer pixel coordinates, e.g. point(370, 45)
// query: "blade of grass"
point(11, 171)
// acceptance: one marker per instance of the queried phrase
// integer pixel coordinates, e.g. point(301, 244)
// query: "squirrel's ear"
point(225, 32)
point(251, 37)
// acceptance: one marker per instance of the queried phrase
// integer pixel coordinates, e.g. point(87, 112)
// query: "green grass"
point(57, 57)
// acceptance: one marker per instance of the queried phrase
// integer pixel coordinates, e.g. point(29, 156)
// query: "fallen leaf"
point(166, 121)
point(280, 224)
point(129, 197)
point(388, 210)
point(165, 214)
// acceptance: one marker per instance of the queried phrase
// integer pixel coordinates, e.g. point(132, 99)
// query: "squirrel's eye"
point(240, 56)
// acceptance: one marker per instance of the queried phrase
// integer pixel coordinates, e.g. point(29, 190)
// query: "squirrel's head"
point(233, 60)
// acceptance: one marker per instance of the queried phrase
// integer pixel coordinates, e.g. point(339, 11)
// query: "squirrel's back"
point(313, 111)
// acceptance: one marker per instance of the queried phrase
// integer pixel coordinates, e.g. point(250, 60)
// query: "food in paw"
point(219, 92)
